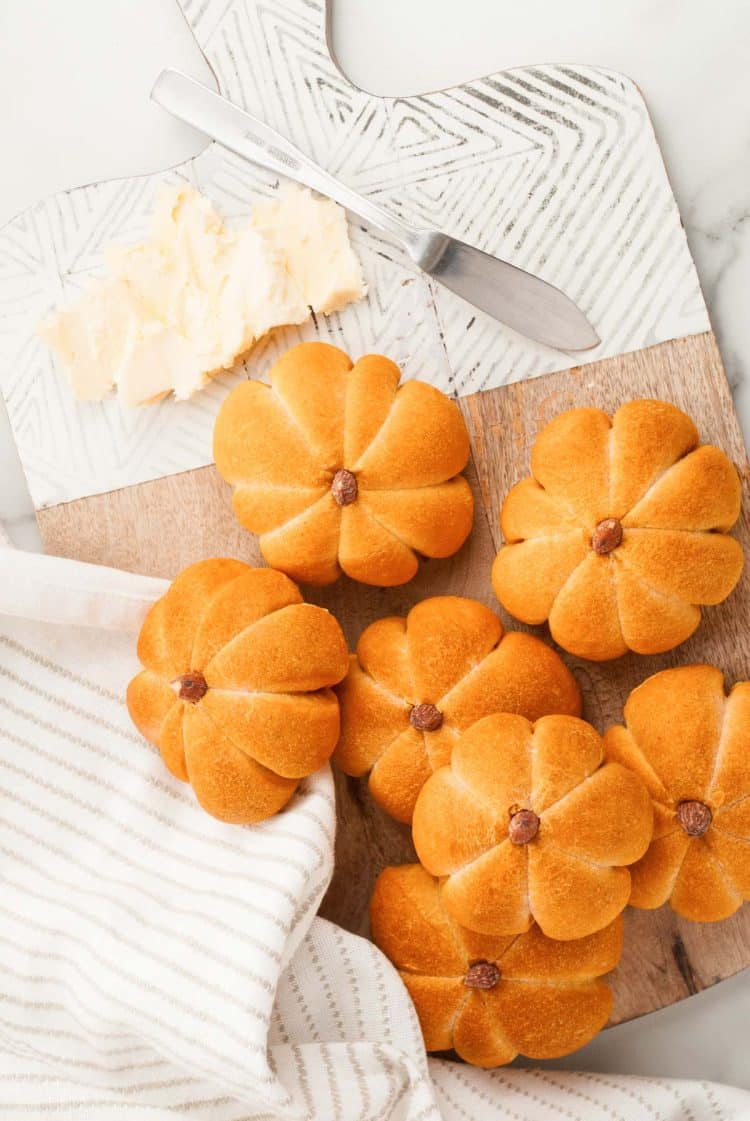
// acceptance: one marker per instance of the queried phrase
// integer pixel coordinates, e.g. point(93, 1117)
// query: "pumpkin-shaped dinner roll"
point(528, 823)
point(235, 692)
point(491, 998)
point(338, 468)
point(690, 743)
point(416, 683)
point(621, 532)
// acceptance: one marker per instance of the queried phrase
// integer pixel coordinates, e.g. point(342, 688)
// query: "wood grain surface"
point(161, 526)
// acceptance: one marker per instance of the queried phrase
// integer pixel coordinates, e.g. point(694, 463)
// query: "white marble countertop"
point(74, 82)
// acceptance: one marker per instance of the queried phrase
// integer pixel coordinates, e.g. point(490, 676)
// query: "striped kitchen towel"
point(155, 962)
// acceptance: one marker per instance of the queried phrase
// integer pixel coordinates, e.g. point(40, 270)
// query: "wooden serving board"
point(556, 168)
point(158, 527)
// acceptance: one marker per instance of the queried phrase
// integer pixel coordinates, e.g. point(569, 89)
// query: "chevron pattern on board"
point(553, 167)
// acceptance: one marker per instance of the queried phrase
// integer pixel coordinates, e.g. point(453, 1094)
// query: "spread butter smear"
point(174, 310)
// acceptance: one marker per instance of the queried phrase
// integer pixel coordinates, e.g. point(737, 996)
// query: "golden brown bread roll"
point(529, 824)
point(491, 998)
point(235, 690)
point(338, 468)
point(621, 532)
point(416, 683)
point(690, 743)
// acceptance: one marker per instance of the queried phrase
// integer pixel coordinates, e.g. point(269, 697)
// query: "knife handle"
point(244, 134)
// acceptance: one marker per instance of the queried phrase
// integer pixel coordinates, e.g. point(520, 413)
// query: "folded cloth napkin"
point(155, 962)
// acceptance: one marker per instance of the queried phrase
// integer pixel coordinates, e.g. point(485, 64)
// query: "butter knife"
point(522, 301)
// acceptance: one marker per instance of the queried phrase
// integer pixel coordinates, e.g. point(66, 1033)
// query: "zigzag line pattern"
point(555, 168)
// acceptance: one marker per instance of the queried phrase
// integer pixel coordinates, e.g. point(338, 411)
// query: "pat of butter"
point(161, 361)
point(92, 337)
point(184, 304)
point(258, 292)
point(313, 236)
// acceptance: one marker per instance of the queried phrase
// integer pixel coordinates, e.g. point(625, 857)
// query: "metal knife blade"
point(524, 302)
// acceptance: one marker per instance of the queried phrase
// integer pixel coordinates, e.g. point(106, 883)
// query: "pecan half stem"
point(482, 975)
point(523, 827)
point(192, 687)
point(344, 487)
point(694, 817)
point(607, 536)
point(426, 718)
